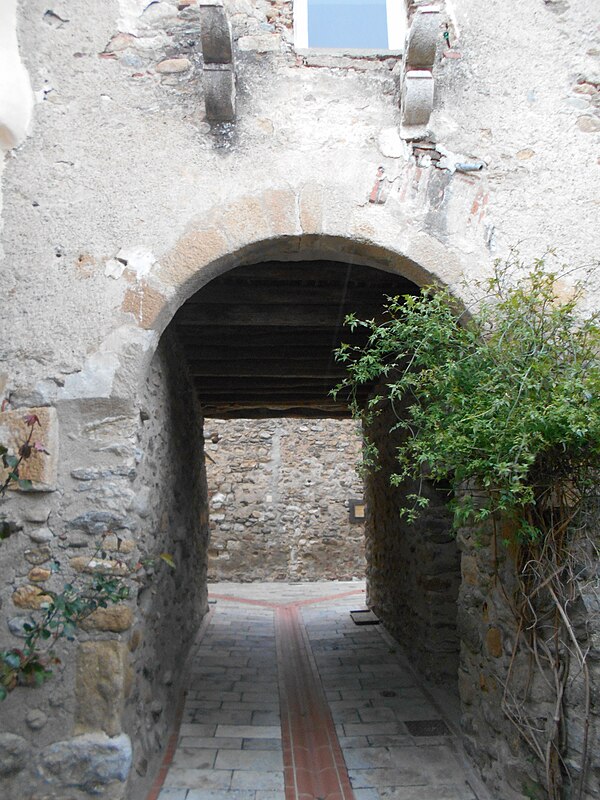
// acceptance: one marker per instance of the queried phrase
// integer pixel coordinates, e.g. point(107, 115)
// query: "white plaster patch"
point(391, 145)
point(137, 259)
point(99, 373)
point(131, 11)
point(114, 269)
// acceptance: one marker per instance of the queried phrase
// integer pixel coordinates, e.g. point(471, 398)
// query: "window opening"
point(349, 24)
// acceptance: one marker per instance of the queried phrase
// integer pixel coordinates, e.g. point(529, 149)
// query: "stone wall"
point(279, 492)
point(449, 598)
point(124, 471)
point(413, 570)
point(487, 626)
point(171, 499)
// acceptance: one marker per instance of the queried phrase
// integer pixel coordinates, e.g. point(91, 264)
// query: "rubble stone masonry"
point(279, 500)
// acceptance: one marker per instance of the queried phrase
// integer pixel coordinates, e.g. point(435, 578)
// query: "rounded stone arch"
point(315, 222)
point(319, 222)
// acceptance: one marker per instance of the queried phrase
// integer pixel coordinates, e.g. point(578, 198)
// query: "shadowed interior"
point(259, 339)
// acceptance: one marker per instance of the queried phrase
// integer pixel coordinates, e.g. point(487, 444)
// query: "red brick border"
point(313, 764)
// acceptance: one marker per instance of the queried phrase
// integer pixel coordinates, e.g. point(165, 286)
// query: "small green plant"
point(504, 403)
point(59, 618)
point(62, 614)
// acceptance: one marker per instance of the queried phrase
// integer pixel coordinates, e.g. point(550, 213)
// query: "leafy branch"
point(13, 462)
point(61, 615)
point(64, 612)
point(504, 403)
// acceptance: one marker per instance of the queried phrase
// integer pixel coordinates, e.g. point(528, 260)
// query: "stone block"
point(90, 763)
point(16, 625)
point(117, 618)
point(36, 719)
point(173, 66)
point(196, 249)
point(422, 37)
point(245, 221)
point(493, 641)
point(266, 43)
point(40, 468)
point(311, 207)
point(145, 303)
point(219, 92)
point(100, 686)
point(417, 99)
point(14, 754)
point(99, 522)
point(39, 574)
point(30, 597)
point(469, 569)
point(115, 544)
point(41, 535)
point(215, 34)
point(280, 205)
point(38, 555)
point(105, 566)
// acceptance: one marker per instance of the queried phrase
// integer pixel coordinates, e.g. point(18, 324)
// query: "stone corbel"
point(219, 71)
point(417, 86)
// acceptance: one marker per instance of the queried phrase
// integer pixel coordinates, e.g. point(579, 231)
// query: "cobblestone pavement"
point(290, 700)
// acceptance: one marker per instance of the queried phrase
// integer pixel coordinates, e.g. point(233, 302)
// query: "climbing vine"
point(504, 399)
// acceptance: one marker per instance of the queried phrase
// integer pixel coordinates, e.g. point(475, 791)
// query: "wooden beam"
point(238, 336)
point(302, 368)
point(332, 272)
point(200, 351)
point(244, 383)
point(277, 314)
point(292, 412)
point(273, 409)
point(219, 293)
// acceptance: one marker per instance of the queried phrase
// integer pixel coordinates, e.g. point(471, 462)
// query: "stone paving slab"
point(454, 792)
point(250, 731)
point(230, 742)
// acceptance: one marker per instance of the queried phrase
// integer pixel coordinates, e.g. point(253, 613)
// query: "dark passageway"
point(288, 697)
point(259, 339)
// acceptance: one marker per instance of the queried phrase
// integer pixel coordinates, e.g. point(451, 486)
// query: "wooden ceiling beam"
point(216, 293)
point(248, 368)
point(276, 314)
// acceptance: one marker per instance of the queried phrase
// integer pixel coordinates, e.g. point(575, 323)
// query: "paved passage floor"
point(289, 699)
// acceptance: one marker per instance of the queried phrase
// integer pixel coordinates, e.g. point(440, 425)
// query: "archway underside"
point(259, 339)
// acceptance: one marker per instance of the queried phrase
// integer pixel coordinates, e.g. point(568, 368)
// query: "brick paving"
point(288, 699)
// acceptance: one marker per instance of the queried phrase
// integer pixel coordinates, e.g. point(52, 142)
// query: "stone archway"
point(132, 404)
point(315, 222)
point(189, 281)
